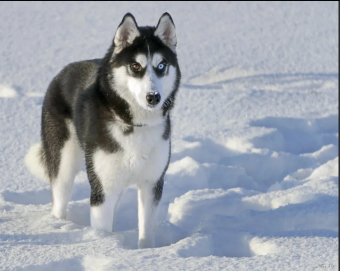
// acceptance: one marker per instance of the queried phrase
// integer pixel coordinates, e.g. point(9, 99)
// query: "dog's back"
point(58, 107)
point(66, 86)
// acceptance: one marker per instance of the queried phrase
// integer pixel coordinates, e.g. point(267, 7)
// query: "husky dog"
point(115, 112)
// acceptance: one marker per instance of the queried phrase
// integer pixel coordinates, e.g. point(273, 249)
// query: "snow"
point(253, 179)
point(7, 92)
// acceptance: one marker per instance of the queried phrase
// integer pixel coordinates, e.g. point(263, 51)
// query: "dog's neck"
point(149, 121)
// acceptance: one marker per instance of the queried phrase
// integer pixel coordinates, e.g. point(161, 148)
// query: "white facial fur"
point(142, 59)
point(136, 89)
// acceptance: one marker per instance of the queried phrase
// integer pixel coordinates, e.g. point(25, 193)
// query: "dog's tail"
point(34, 162)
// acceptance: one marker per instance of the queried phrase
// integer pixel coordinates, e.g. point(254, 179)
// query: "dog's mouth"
point(138, 125)
point(151, 107)
point(131, 124)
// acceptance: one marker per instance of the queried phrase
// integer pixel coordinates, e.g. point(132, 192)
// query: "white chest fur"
point(143, 157)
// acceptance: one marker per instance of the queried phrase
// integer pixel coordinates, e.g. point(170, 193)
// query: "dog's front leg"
point(104, 196)
point(102, 214)
point(149, 196)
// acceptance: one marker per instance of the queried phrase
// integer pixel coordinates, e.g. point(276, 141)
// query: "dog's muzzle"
point(153, 98)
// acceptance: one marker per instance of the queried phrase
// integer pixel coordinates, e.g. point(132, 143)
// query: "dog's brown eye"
point(136, 67)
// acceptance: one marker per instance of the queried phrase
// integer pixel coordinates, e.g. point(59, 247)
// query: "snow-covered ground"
point(253, 179)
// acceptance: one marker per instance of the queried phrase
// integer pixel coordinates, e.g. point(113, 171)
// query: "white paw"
point(61, 214)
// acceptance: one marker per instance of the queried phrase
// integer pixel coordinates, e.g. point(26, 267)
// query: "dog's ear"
point(126, 33)
point(166, 31)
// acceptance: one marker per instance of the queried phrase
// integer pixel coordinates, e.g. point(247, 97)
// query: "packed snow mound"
point(7, 92)
point(253, 178)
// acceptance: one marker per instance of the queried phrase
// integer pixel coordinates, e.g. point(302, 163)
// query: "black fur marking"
point(158, 188)
point(167, 70)
point(128, 130)
point(167, 129)
point(92, 120)
point(170, 101)
point(97, 194)
point(54, 131)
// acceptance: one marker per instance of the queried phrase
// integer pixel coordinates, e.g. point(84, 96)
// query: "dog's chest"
point(143, 156)
point(138, 146)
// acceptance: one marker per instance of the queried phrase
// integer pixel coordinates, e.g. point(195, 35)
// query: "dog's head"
point(143, 63)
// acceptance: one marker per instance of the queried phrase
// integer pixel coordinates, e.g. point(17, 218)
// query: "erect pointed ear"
point(166, 31)
point(126, 33)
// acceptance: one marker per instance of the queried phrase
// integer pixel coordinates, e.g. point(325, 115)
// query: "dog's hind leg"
point(70, 164)
point(62, 157)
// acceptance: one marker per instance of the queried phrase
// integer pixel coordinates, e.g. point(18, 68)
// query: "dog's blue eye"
point(161, 66)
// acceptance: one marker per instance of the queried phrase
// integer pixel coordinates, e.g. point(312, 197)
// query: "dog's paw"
point(60, 214)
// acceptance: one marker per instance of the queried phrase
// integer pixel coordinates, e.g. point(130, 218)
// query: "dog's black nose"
point(153, 98)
